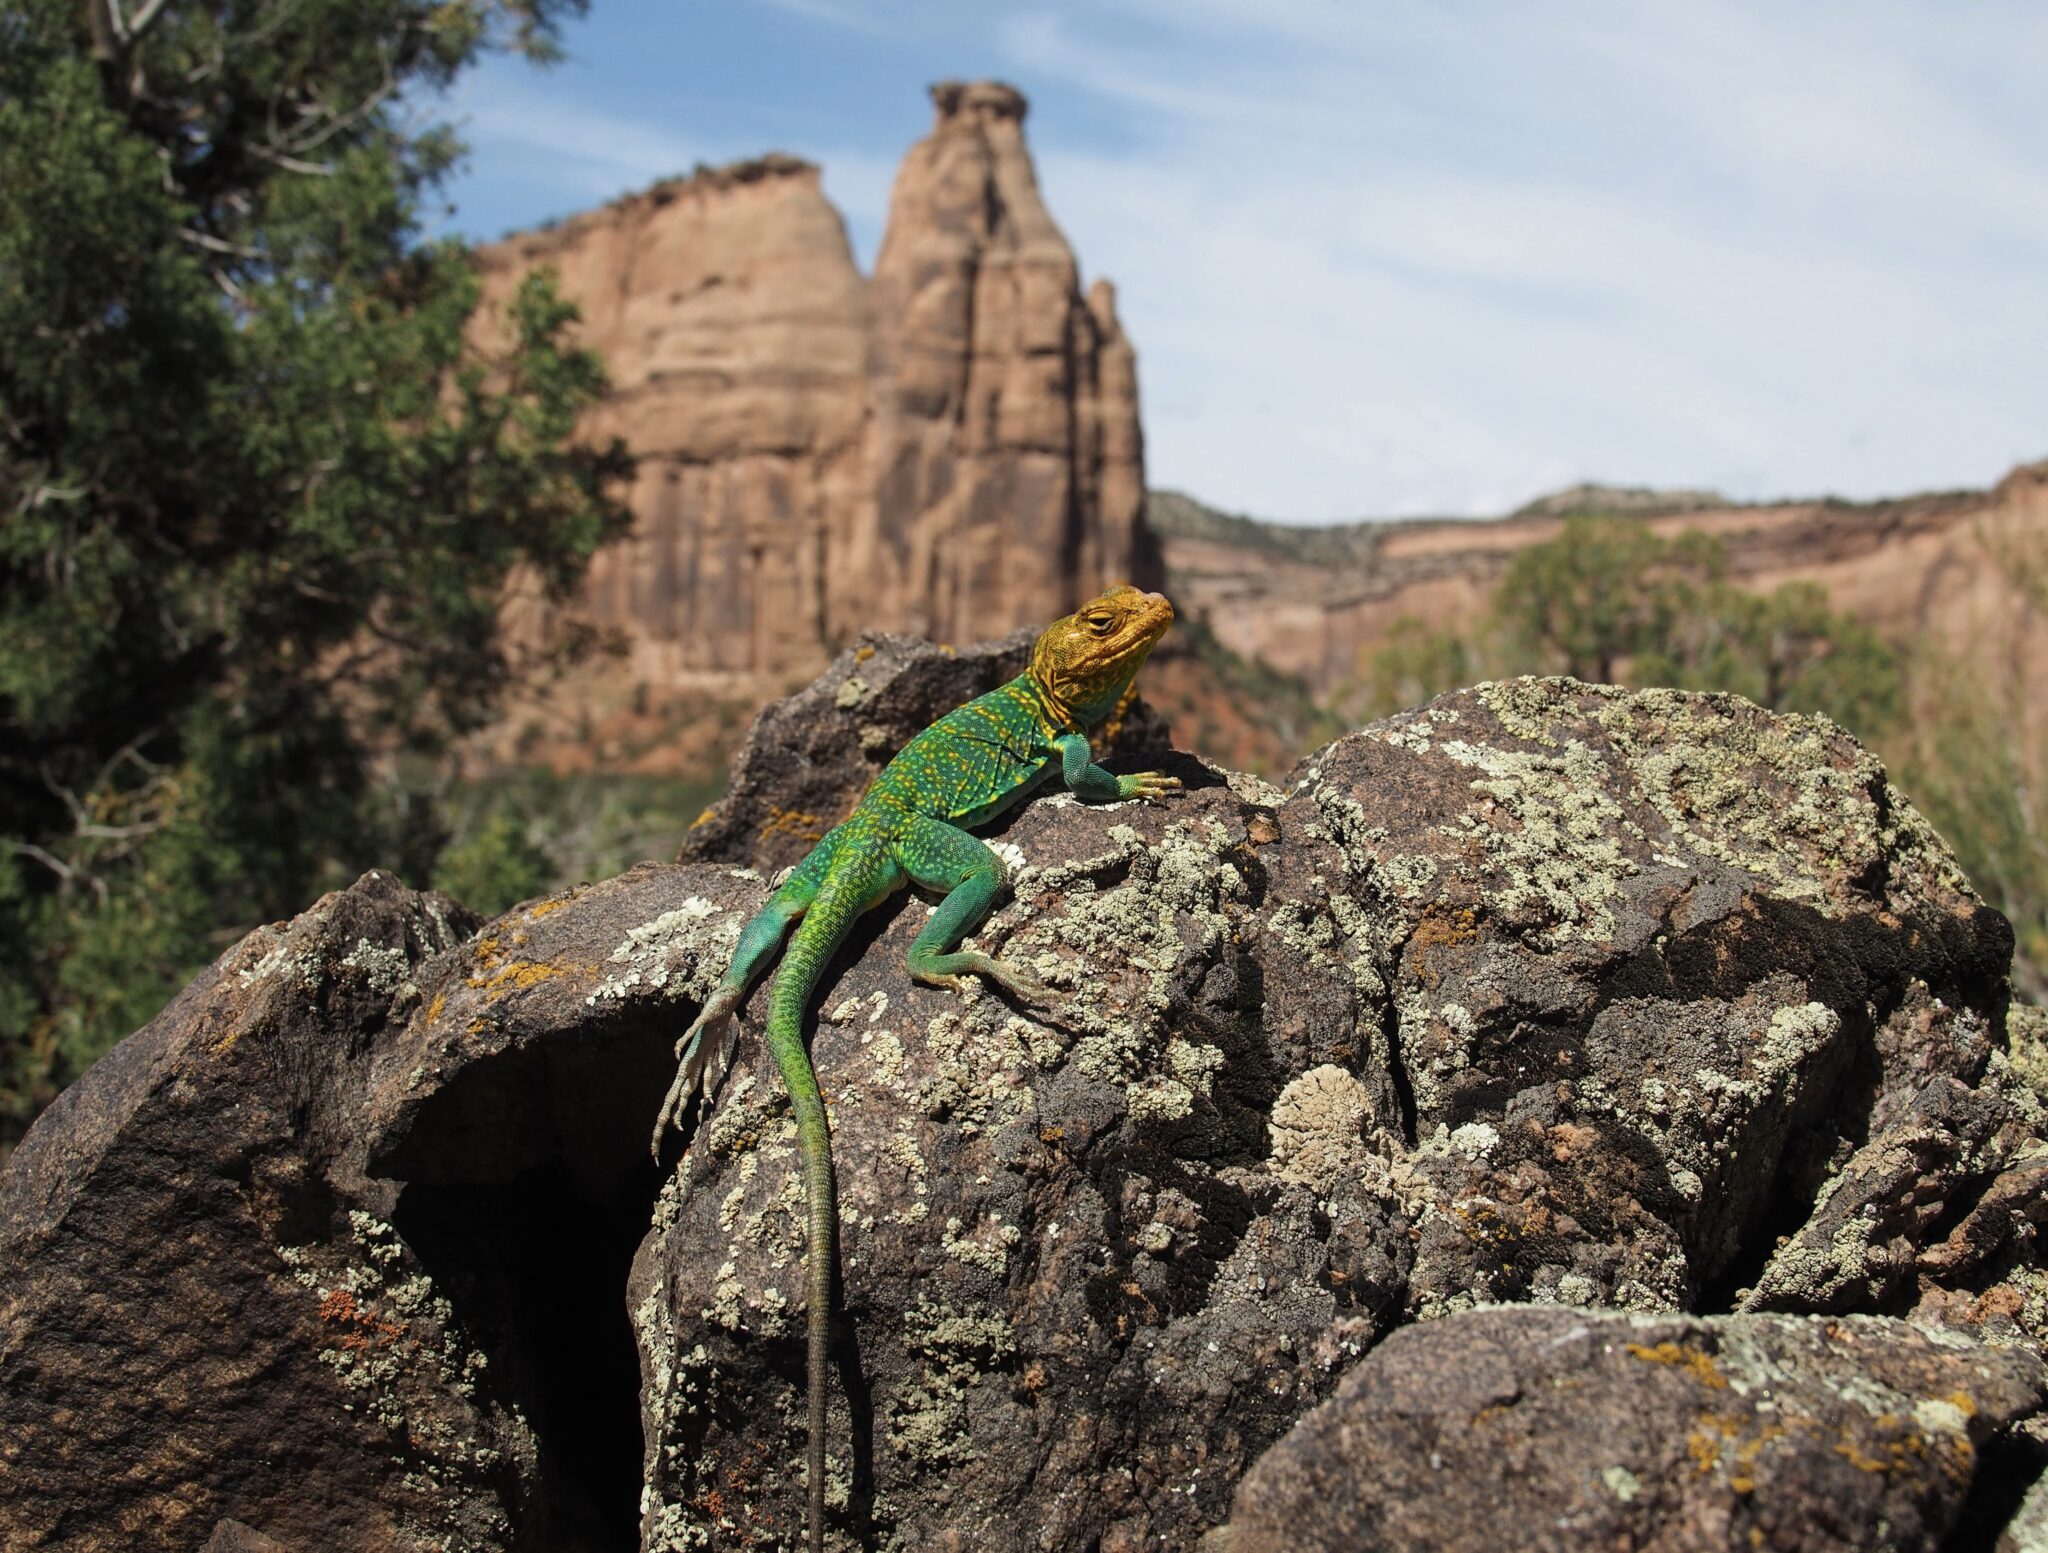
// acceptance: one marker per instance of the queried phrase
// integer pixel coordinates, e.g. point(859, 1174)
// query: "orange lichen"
point(1692, 1360)
point(862, 653)
point(434, 1008)
point(1704, 1449)
point(545, 907)
point(363, 1330)
point(792, 822)
point(518, 975)
point(1441, 926)
point(1743, 1478)
point(705, 816)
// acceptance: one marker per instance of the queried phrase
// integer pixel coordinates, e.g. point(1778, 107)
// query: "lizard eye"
point(1100, 624)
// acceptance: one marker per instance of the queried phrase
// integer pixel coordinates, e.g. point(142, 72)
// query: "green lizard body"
point(968, 767)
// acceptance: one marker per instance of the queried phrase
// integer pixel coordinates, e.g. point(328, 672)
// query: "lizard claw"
point(700, 1065)
point(1020, 984)
point(1152, 786)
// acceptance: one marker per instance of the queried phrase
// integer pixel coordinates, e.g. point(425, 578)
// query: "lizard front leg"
point(1090, 782)
point(939, 856)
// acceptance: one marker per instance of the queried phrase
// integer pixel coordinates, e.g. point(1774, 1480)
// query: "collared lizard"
point(968, 767)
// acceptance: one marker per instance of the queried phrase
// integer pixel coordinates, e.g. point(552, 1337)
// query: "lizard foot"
point(952, 970)
point(1152, 786)
point(700, 1062)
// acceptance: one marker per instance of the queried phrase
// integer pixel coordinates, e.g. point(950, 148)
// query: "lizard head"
point(1083, 662)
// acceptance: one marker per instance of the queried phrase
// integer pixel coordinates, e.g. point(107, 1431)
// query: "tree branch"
point(151, 9)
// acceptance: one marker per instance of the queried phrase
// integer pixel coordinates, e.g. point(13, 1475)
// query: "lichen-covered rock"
point(205, 1312)
point(1545, 993)
point(1556, 1429)
point(809, 757)
point(1635, 974)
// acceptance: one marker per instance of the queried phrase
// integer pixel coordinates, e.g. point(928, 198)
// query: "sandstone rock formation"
point(1547, 993)
point(1318, 602)
point(952, 447)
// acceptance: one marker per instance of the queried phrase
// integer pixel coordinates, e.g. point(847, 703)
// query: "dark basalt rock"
point(1597, 1430)
point(1548, 993)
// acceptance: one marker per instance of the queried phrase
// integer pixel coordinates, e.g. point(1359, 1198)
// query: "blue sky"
point(1383, 258)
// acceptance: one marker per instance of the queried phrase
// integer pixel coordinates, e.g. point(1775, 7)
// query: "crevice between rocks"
point(1397, 1070)
point(526, 1190)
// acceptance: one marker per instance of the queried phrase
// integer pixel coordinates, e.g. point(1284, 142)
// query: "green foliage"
point(1972, 759)
point(259, 491)
point(1611, 600)
point(1418, 663)
point(1605, 590)
point(497, 867)
point(566, 827)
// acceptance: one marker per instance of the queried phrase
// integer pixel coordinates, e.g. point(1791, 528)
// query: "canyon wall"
point(950, 448)
point(1316, 603)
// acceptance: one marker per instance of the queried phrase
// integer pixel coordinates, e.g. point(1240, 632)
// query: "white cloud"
point(574, 148)
point(1384, 260)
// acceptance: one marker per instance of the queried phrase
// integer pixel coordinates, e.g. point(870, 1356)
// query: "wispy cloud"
point(1400, 256)
point(570, 145)
point(1384, 259)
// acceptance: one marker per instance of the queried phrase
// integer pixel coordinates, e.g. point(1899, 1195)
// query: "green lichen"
point(1559, 851)
point(683, 951)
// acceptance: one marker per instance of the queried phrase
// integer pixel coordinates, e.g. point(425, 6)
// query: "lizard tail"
point(819, 934)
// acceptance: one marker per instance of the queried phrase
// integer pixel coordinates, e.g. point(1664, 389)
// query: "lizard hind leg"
point(704, 1052)
point(939, 856)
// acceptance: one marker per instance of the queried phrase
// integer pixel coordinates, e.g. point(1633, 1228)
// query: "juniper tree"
point(259, 496)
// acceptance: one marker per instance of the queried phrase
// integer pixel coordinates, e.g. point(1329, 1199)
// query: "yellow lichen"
point(1692, 1360)
point(792, 822)
point(518, 975)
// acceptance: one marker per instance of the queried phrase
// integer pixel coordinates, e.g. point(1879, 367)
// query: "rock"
point(1005, 449)
point(734, 326)
point(233, 1537)
point(1559, 1429)
point(809, 757)
point(204, 1307)
point(952, 447)
point(1546, 993)
point(1317, 601)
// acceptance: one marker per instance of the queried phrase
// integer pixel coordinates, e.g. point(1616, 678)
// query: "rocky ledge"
point(1556, 1113)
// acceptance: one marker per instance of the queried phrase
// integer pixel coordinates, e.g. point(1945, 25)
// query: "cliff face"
point(952, 448)
point(1317, 602)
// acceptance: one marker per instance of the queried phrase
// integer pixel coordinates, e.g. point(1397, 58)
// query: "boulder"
point(1547, 993)
point(1548, 1429)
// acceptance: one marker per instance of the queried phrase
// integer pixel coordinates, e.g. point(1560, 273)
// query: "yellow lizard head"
point(1083, 662)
